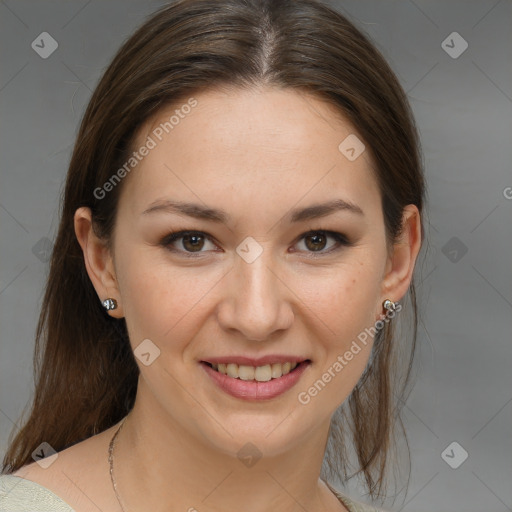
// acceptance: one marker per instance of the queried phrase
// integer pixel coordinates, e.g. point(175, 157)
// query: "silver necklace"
point(111, 463)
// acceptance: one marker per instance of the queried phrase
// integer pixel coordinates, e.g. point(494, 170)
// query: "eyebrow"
point(215, 215)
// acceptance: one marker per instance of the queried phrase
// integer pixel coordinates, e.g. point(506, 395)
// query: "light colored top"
point(18, 494)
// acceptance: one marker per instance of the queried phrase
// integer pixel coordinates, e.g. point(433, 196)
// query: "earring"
point(389, 305)
point(109, 304)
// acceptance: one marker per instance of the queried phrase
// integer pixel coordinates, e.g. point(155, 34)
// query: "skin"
point(257, 154)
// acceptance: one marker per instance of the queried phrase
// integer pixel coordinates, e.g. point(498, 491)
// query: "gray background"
point(463, 107)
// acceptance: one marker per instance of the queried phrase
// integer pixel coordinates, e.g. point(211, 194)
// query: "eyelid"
point(168, 239)
point(341, 239)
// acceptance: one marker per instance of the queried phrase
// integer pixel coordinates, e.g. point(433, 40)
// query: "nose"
point(255, 301)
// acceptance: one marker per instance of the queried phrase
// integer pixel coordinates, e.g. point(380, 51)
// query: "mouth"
point(264, 373)
point(255, 383)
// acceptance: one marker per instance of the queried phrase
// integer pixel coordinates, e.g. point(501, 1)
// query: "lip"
point(252, 390)
point(261, 361)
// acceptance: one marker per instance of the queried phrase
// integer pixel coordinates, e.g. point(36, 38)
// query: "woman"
point(242, 216)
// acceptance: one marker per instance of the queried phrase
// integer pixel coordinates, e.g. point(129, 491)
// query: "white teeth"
point(263, 373)
point(246, 372)
point(232, 370)
point(277, 370)
point(259, 373)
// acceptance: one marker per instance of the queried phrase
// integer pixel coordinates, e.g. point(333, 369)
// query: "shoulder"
point(18, 495)
point(351, 505)
point(67, 484)
point(355, 506)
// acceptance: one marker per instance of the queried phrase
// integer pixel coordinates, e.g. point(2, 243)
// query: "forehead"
point(247, 148)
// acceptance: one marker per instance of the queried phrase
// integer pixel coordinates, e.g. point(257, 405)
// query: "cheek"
point(343, 300)
point(163, 302)
point(344, 309)
point(160, 301)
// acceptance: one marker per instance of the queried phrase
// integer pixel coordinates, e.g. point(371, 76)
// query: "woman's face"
point(254, 283)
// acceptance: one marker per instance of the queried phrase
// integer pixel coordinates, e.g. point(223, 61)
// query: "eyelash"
point(341, 240)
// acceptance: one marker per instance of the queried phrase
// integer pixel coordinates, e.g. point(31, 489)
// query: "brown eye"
point(316, 242)
point(193, 243)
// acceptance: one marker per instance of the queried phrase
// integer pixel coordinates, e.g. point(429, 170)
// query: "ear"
point(402, 258)
point(98, 261)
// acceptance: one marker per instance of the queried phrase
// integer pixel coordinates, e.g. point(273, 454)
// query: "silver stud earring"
point(389, 305)
point(109, 304)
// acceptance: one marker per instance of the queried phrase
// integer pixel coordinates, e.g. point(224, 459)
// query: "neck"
point(160, 465)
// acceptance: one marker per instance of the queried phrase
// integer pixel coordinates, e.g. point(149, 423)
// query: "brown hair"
point(85, 372)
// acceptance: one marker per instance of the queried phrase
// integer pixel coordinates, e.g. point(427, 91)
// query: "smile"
point(255, 383)
point(258, 373)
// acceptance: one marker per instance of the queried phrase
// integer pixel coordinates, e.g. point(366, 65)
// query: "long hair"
point(84, 369)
